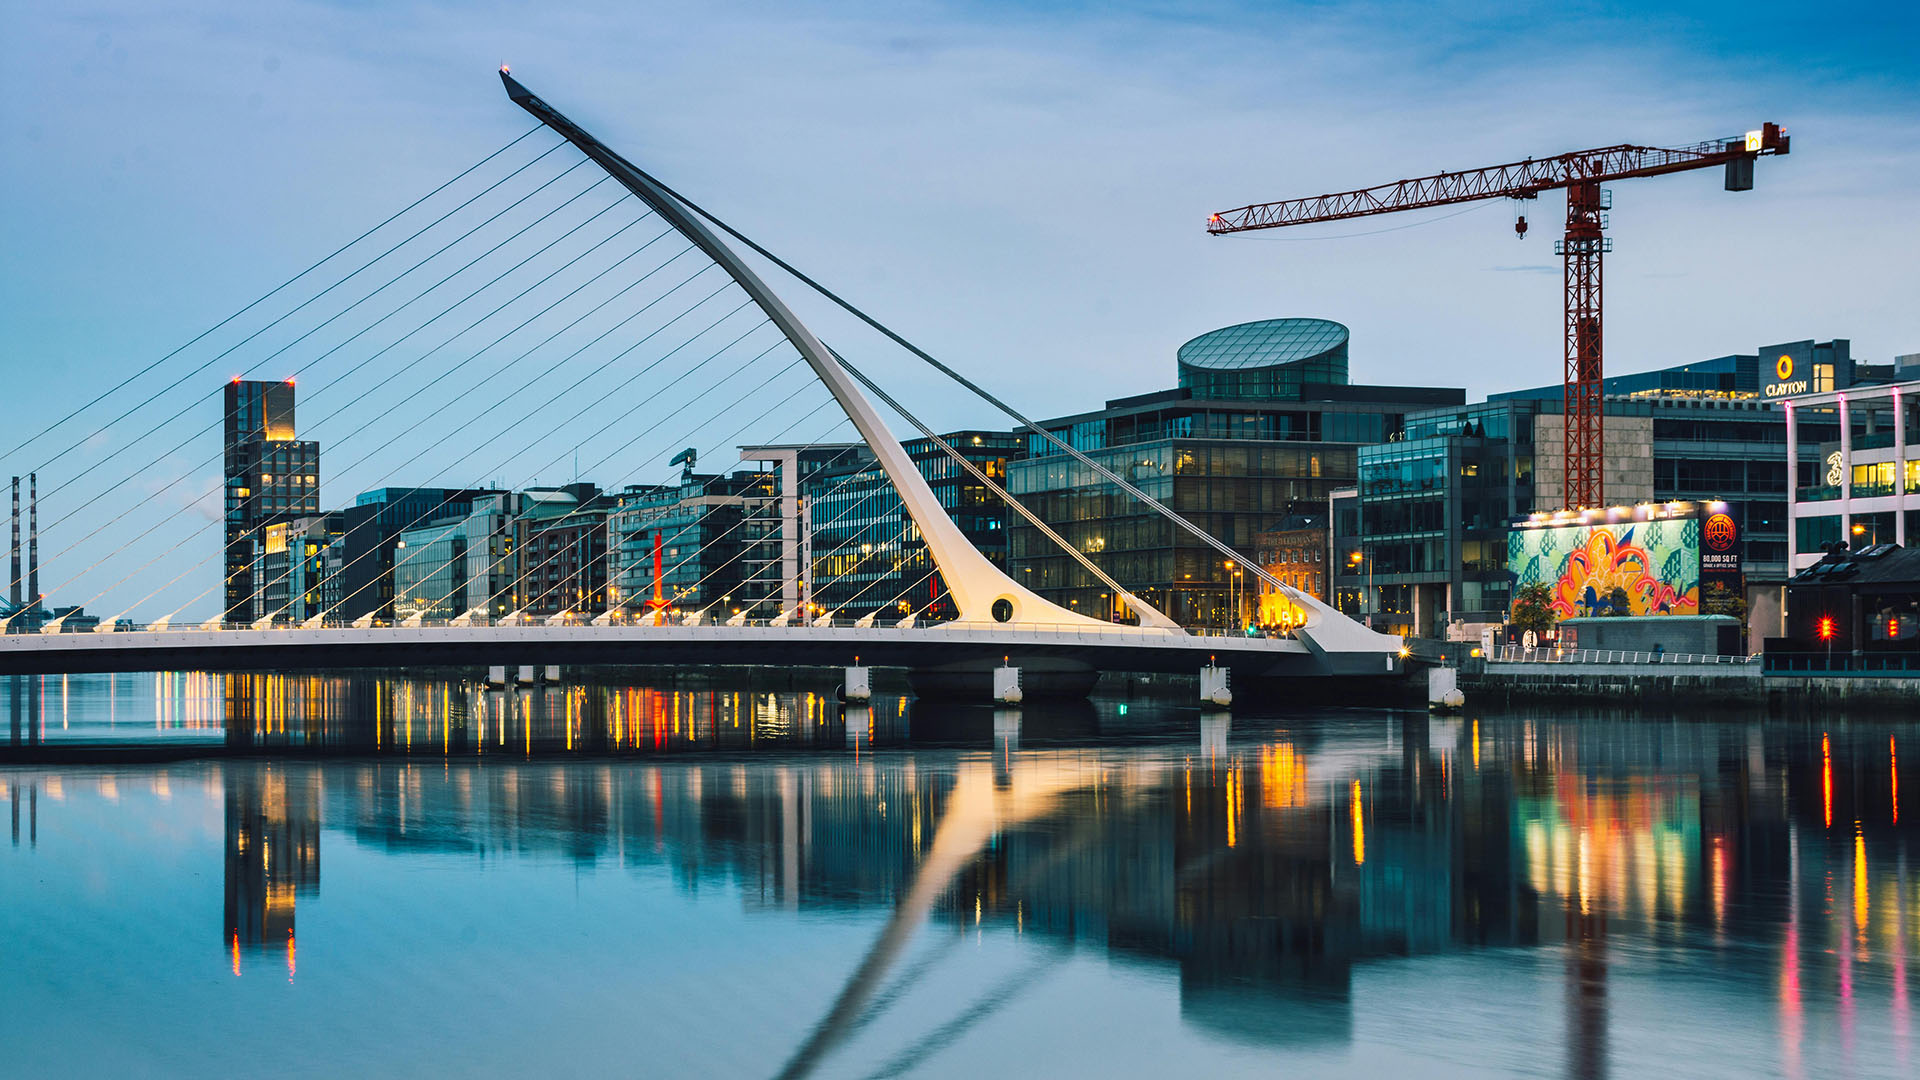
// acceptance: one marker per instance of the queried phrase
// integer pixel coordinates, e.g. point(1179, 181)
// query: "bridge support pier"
point(497, 675)
point(1006, 685)
point(859, 684)
point(525, 675)
point(1214, 688)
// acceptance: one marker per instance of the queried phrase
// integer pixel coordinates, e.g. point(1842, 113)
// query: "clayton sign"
point(1790, 380)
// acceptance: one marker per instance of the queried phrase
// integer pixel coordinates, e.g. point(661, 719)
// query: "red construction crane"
point(1581, 173)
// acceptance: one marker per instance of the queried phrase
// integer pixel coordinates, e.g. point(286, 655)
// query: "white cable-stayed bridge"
point(617, 325)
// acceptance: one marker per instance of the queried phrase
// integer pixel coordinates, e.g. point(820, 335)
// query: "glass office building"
point(271, 477)
point(868, 556)
point(698, 525)
point(1423, 542)
point(1263, 425)
point(1427, 523)
point(1271, 360)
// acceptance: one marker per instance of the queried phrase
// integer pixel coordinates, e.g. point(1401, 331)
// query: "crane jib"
point(1514, 180)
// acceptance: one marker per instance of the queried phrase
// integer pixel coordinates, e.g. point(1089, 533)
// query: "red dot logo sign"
point(1721, 533)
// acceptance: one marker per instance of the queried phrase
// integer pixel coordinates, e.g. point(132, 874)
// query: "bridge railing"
point(1101, 633)
point(1520, 654)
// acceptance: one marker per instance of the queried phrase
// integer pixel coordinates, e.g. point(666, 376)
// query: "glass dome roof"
point(1264, 344)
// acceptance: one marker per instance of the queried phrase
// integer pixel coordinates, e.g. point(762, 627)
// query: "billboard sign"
point(1723, 583)
point(1640, 560)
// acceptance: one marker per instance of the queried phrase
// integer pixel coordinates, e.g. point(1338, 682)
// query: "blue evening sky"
point(1021, 188)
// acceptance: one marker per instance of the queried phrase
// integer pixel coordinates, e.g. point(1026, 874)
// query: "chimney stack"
point(33, 540)
point(13, 579)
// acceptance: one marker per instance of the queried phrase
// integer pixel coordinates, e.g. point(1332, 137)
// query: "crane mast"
point(1581, 173)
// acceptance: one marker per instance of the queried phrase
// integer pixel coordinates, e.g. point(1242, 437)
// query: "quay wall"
point(1705, 686)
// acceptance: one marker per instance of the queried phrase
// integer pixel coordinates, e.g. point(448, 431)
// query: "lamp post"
point(1236, 597)
point(1226, 614)
point(1359, 556)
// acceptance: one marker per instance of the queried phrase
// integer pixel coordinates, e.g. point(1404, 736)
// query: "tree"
point(1717, 599)
point(1620, 603)
point(1532, 609)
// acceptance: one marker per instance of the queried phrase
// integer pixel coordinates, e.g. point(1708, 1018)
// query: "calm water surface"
point(423, 876)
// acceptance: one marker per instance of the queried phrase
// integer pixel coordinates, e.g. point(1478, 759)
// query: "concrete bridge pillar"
point(526, 674)
point(1006, 685)
point(497, 675)
point(1214, 688)
point(858, 685)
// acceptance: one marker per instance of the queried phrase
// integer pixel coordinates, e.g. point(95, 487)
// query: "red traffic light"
point(1827, 628)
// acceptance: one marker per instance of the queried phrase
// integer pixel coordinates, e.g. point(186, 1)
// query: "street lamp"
point(1233, 600)
point(1363, 555)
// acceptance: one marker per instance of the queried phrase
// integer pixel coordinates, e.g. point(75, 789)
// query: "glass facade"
point(270, 478)
point(1271, 360)
point(430, 572)
point(698, 527)
point(1431, 518)
point(560, 546)
point(866, 553)
point(1234, 491)
point(1263, 427)
point(1433, 506)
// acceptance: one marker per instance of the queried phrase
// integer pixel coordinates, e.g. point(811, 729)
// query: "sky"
point(1019, 188)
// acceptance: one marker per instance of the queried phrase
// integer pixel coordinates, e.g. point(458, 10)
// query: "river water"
point(399, 876)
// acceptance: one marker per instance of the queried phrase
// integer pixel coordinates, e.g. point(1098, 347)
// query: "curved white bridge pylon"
point(996, 615)
point(982, 593)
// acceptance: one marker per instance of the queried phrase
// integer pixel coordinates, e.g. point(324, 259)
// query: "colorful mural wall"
point(1656, 563)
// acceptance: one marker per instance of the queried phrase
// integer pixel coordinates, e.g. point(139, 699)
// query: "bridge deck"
point(929, 647)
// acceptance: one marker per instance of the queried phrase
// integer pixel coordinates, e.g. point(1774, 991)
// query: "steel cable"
point(269, 294)
point(389, 377)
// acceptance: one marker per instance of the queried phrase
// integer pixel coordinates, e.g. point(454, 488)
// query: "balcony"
point(1875, 441)
point(1872, 491)
point(1819, 493)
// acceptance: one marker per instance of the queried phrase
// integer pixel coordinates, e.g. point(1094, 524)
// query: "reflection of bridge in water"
point(1268, 869)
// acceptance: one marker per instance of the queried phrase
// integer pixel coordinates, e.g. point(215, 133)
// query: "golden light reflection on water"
point(1275, 853)
point(1359, 826)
